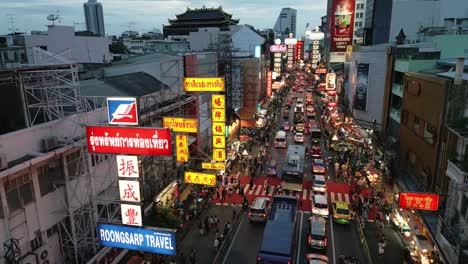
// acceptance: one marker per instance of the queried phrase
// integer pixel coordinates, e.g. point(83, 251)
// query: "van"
point(320, 205)
point(280, 140)
point(259, 210)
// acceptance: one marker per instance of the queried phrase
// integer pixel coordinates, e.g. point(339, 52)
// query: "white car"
point(320, 205)
point(299, 137)
point(319, 184)
point(300, 102)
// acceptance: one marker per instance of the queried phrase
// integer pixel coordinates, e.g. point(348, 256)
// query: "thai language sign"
point(131, 214)
point(420, 201)
point(179, 124)
point(182, 154)
point(127, 166)
point(133, 238)
point(204, 84)
point(213, 166)
point(129, 140)
point(200, 178)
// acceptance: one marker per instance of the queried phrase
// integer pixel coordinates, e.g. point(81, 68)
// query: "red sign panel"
point(320, 71)
point(332, 104)
point(420, 201)
point(331, 93)
point(342, 24)
point(268, 84)
point(299, 49)
point(129, 140)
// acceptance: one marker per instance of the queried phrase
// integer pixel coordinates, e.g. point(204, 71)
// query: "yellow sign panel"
point(219, 141)
point(179, 124)
point(219, 129)
point(218, 101)
point(182, 154)
point(219, 154)
point(218, 115)
point(200, 178)
point(204, 84)
point(213, 166)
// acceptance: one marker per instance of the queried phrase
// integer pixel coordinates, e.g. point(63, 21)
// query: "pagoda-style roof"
point(203, 13)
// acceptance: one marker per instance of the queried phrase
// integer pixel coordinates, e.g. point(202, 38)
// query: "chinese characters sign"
point(219, 154)
point(182, 148)
point(129, 191)
point(213, 166)
point(218, 115)
point(204, 84)
point(127, 166)
point(219, 129)
point(131, 214)
point(315, 54)
point(218, 101)
point(298, 52)
point(219, 141)
point(268, 84)
point(420, 201)
point(277, 62)
point(200, 178)
point(290, 56)
point(178, 124)
point(129, 140)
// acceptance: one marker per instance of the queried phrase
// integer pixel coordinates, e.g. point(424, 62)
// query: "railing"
point(224, 247)
point(358, 222)
point(461, 162)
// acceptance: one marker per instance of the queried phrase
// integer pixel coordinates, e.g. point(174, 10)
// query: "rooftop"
point(452, 62)
point(203, 13)
point(451, 74)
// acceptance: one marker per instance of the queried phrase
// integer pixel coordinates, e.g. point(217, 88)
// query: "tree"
point(118, 48)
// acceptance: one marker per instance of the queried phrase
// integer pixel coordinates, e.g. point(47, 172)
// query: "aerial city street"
point(234, 132)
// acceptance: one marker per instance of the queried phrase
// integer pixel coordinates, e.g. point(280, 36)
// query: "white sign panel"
point(131, 214)
point(290, 41)
point(127, 166)
point(129, 191)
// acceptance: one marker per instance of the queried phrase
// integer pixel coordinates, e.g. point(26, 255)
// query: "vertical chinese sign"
point(315, 53)
point(182, 148)
point(218, 116)
point(299, 47)
point(269, 84)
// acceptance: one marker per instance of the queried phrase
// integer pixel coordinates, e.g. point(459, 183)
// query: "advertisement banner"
point(268, 84)
point(360, 94)
point(129, 140)
point(219, 154)
point(180, 124)
point(320, 71)
point(290, 56)
point(127, 166)
point(204, 84)
point(299, 50)
point(200, 178)
point(290, 41)
point(278, 48)
point(182, 152)
point(419, 201)
point(129, 191)
point(122, 111)
point(141, 239)
point(330, 81)
point(219, 129)
point(218, 101)
point(131, 214)
point(219, 141)
point(218, 115)
point(342, 24)
point(213, 166)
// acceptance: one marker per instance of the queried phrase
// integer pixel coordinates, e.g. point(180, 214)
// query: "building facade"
point(377, 21)
point(286, 23)
point(359, 22)
point(94, 17)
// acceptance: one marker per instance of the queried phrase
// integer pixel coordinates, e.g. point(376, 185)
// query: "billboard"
point(420, 201)
point(127, 166)
point(342, 24)
point(179, 124)
point(269, 84)
point(219, 141)
point(213, 166)
point(299, 49)
point(122, 111)
point(257, 52)
point(330, 81)
point(129, 140)
point(204, 84)
point(129, 191)
point(200, 178)
point(290, 41)
point(182, 152)
point(133, 238)
point(360, 94)
point(131, 214)
point(218, 115)
point(278, 48)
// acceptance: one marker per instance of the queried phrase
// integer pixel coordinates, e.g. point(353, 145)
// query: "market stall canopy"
point(244, 138)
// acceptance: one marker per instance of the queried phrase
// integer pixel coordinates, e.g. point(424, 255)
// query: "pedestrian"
point(226, 230)
point(234, 212)
point(210, 221)
point(216, 243)
point(207, 225)
point(229, 226)
point(216, 222)
point(201, 228)
point(193, 256)
point(223, 194)
point(172, 261)
point(381, 246)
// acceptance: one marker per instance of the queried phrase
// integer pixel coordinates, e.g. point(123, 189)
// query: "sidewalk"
point(203, 245)
point(394, 249)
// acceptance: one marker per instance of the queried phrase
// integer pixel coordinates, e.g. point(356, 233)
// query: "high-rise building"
point(286, 22)
point(359, 21)
point(94, 17)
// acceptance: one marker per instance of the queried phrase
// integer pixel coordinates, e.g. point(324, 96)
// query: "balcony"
point(395, 114)
point(457, 169)
point(397, 89)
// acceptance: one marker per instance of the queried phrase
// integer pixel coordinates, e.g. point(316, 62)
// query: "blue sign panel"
point(258, 52)
point(122, 111)
point(148, 240)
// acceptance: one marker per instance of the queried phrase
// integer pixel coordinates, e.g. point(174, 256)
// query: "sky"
point(146, 15)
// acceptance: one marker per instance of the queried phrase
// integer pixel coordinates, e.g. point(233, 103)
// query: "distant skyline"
point(146, 15)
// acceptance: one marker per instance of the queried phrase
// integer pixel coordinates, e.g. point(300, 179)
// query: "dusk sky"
point(145, 15)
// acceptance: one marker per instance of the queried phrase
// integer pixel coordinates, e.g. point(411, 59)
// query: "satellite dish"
point(54, 17)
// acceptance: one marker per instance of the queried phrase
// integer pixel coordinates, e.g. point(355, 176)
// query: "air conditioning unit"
point(3, 161)
point(43, 255)
point(29, 259)
point(47, 144)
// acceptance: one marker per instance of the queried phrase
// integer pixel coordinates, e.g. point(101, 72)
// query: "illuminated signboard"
point(122, 111)
point(219, 141)
point(420, 201)
point(204, 84)
point(182, 152)
point(219, 154)
point(332, 104)
point(342, 24)
point(179, 124)
point(127, 166)
point(129, 191)
point(290, 56)
point(290, 41)
point(320, 71)
point(141, 239)
point(200, 178)
point(219, 129)
point(218, 101)
point(131, 214)
point(299, 47)
point(331, 81)
point(218, 115)
point(258, 52)
point(213, 166)
point(129, 140)
point(268, 84)
point(278, 48)
point(331, 93)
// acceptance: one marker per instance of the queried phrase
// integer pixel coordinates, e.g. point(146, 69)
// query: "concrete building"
point(359, 22)
point(377, 21)
point(145, 46)
point(286, 23)
point(94, 17)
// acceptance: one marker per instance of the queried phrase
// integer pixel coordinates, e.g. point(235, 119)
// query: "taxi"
point(341, 213)
point(313, 258)
point(342, 146)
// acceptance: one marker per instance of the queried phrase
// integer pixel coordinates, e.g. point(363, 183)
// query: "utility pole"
point(11, 18)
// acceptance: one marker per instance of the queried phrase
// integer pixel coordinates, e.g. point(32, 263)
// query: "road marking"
point(258, 190)
point(246, 188)
point(304, 194)
point(234, 238)
point(253, 189)
point(332, 196)
point(333, 241)
point(339, 197)
point(346, 196)
point(298, 261)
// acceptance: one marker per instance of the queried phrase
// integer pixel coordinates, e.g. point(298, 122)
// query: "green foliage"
point(164, 217)
point(118, 48)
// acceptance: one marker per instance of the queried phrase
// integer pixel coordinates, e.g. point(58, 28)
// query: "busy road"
point(341, 239)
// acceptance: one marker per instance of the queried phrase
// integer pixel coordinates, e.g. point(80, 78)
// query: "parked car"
point(318, 166)
point(299, 137)
point(341, 214)
point(315, 152)
point(258, 211)
point(317, 232)
point(319, 184)
point(286, 126)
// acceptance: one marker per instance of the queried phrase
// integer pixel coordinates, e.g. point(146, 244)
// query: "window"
point(360, 24)
point(50, 175)
point(75, 164)
point(51, 231)
point(19, 192)
point(429, 133)
point(416, 125)
point(1, 209)
point(356, 24)
point(359, 15)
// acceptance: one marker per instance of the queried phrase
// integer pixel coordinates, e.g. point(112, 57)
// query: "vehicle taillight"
point(250, 214)
point(264, 215)
point(259, 258)
point(309, 239)
point(325, 241)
